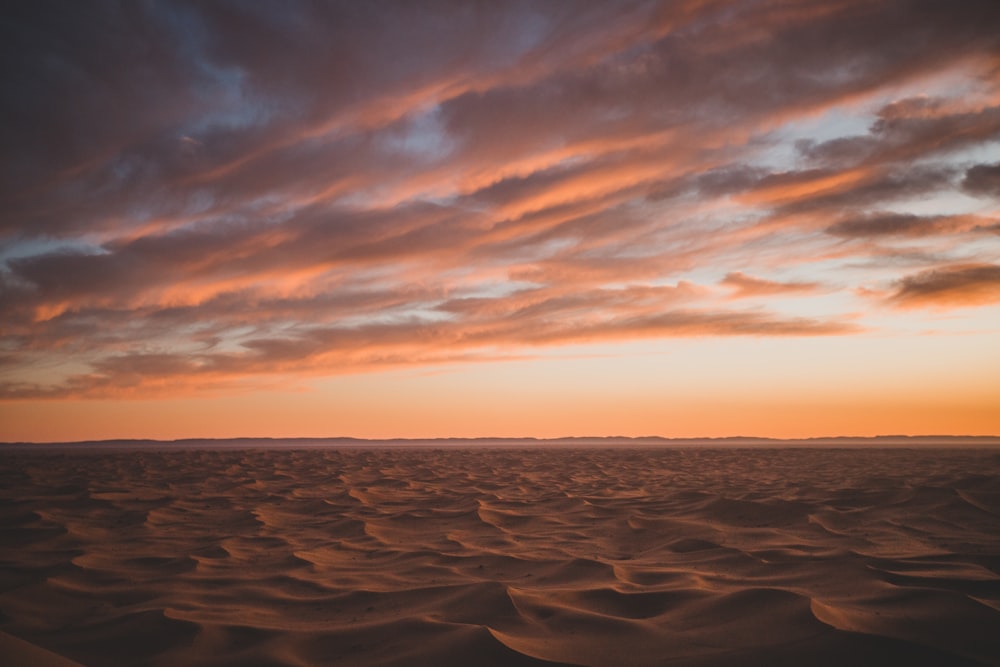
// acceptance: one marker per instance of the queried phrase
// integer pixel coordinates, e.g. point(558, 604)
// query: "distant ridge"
point(580, 441)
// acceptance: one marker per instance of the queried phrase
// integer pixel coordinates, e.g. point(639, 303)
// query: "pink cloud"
point(744, 286)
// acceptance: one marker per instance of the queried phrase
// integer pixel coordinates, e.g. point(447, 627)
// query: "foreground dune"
point(15, 651)
point(464, 556)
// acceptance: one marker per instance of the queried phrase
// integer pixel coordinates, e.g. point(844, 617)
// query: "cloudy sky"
point(685, 218)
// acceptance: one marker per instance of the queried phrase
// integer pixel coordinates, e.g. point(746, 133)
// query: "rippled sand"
point(467, 556)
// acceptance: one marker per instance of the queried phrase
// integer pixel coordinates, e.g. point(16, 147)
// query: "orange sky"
point(682, 219)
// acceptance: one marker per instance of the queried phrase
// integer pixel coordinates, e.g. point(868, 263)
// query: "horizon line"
point(580, 440)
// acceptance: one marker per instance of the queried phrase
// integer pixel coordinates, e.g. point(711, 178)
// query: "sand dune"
point(500, 556)
point(16, 651)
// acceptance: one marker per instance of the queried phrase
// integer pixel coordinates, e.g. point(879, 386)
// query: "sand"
point(16, 651)
point(493, 556)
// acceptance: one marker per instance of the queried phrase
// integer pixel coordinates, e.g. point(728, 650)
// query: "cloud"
point(884, 224)
point(831, 191)
point(748, 286)
point(953, 286)
point(485, 334)
point(239, 192)
point(983, 180)
point(909, 129)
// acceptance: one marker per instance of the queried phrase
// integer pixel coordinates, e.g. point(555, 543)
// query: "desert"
point(460, 555)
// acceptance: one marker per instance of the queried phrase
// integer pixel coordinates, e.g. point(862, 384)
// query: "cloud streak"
point(950, 286)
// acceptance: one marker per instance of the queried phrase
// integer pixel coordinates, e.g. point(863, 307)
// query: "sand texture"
point(462, 556)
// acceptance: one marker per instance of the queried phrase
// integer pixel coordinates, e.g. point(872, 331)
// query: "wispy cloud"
point(748, 286)
point(906, 224)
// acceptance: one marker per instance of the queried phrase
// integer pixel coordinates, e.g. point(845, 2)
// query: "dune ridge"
point(503, 556)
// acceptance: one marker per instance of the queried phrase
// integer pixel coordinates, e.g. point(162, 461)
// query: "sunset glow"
point(697, 218)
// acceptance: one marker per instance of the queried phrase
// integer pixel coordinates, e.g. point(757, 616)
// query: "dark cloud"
point(983, 179)
point(901, 224)
point(883, 225)
point(730, 179)
point(88, 91)
point(950, 287)
point(905, 130)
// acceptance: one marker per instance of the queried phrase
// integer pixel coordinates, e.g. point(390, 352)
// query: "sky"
point(694, 218)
